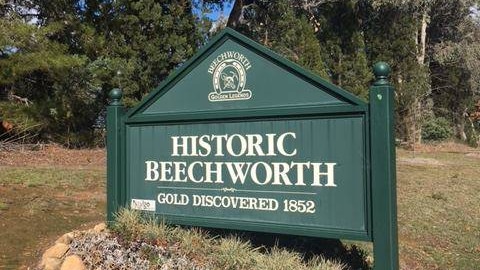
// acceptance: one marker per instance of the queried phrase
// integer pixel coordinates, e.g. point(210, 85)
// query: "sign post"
point(384, 195)
point(115, 113)
point(241, 138)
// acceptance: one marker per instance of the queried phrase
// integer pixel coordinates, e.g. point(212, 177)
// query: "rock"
point(51, 264)
point(66, 238)
point(57, 251)
point(73, 262)
point(100, 228)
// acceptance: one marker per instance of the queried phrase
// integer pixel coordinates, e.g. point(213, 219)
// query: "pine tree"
point(341, 38)
point(391, 36)
point(67, 60)
point(147, 40)
point(283, 28)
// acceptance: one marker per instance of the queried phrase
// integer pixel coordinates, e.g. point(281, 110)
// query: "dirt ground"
point(53, 155)
point(444, 147)
point(44, 194)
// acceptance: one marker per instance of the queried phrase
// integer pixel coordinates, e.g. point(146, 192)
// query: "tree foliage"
point(73, 52)
point(284, 29)
point(58, 58)
point(342, 38)
point(415, 37)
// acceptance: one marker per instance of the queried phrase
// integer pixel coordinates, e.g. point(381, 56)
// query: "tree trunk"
point(422, 39)
point(421, 55)
point(417, 118)
point(461, 131)
point(236, 15)
point(460, 125)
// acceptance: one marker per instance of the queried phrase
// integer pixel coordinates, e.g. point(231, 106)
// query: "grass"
point(50, 177)
point(439, 210)
point(37, 204)
point(228, 251)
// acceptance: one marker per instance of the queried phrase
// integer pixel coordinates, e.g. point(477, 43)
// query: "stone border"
point(57, 258)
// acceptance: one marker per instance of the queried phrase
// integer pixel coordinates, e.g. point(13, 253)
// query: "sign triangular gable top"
point(235, 73)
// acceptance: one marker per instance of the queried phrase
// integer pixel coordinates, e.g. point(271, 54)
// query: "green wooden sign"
point(240, 138)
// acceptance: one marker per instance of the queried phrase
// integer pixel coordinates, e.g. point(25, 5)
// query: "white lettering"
point(280, 170)
point(236, 171)
point(217, 172)
point(203, 143)
point(177, 145)
point(254, 142)
point(316, 174)
point(329, 174)
point(151, 171)
point(254, 173)
point(243, 145)
point(280, 144)
point(190, 172)
point(300, 166)
point(164, 170)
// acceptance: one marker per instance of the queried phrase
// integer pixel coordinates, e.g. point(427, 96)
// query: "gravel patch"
point(104, 251)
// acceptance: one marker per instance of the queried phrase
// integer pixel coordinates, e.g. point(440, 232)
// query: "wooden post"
point(115, 112)
point(384, 197)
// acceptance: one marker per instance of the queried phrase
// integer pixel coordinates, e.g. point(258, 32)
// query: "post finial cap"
point(382, 71)
point(115, 96)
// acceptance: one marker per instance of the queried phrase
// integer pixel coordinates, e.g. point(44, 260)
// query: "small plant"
point(3, 206)
point(193, 241)
point(233, 253)
point(320, 263)
point(127, 224)
point(439, 196)
point(280, 258)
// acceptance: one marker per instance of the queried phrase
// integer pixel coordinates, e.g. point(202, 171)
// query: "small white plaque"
point(144, 205)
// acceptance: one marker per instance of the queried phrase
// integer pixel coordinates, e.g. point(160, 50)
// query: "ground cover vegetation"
point(159, 245)
point(438, 206)
point(59, 59)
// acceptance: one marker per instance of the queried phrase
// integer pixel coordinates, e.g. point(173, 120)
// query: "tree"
point(148, 39)
point(31, 66)
point(443, 32)
point(67, 58)
point(281, 27)
point(341, 36)
point(62, 57)
point(455, 62)
point(392, 36)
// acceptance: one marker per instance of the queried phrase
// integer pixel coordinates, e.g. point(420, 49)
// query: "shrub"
point(436, 129)
point(25, 127)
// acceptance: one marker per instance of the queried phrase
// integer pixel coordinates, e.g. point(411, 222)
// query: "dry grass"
point(37, 205)
point(439, 210)
point(221, 252)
